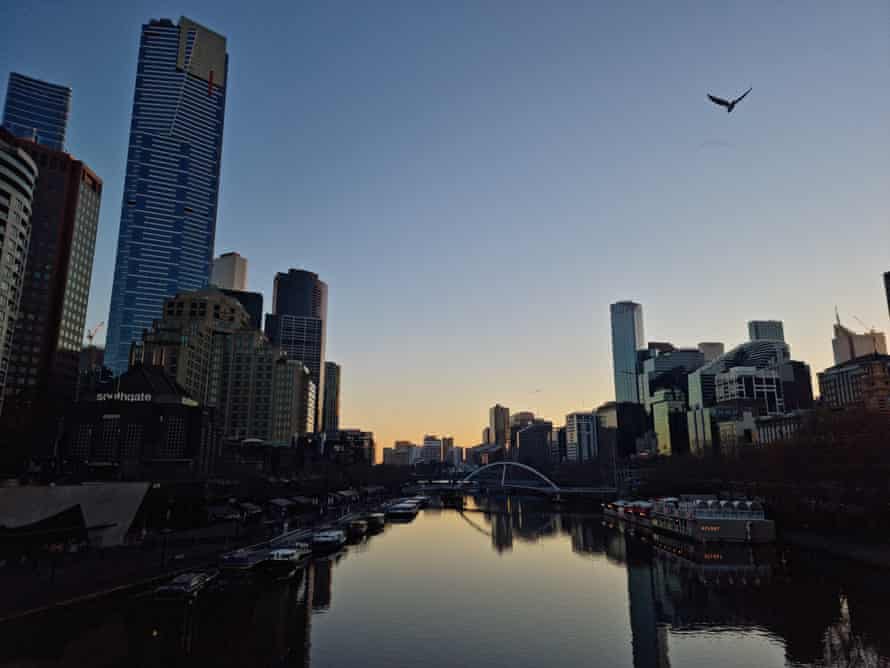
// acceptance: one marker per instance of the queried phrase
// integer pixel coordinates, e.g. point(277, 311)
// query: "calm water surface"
point(518, 585)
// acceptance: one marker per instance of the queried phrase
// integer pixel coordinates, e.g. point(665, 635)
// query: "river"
point(509, 582)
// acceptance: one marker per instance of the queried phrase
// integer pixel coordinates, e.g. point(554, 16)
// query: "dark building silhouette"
point(331, 397)
point(298, 323)
point(56, 285)
point(533, 445)
point(37, 110)
point(141, 425)
point(252, 303)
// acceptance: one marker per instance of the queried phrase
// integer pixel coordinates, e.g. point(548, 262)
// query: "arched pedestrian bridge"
point(519, 478)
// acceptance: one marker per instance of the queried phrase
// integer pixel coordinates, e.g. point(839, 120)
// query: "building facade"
point(669, 422)
point(266, 396)
point(298, 323)
point(533, 445)
point(142, 426)
point(711, 350)
point(229, 272)
point(498, 425)
point(848, 345)
point(37, 110)
point(171, 187)
point(582, 442)
point(431, 450)
point(56, 282)
point(627, 339)
point(744, 383)
point(190, 341)
point(331, 396)
point(766, 330)
point(252, 303)
point(847, 385)
point(18, 181)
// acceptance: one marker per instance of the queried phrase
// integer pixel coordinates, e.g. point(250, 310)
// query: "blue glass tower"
point(37, 110)
point(627, 339)
point(171, 188)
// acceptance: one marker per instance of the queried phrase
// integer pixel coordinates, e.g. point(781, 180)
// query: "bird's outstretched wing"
point(742, 96)
point(718, 100)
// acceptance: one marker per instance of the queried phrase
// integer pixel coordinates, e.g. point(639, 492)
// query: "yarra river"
point(509, 582)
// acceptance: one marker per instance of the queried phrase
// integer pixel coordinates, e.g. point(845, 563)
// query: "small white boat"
point(328, 540)
point(283, 562)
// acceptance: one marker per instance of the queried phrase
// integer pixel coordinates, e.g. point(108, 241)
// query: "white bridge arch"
point(504, 465)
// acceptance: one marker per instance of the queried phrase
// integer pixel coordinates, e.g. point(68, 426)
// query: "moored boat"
point(186, 585)
point(328, 540)
point(404, 511)
point(242, 560)
point(708, 519)
point(283, 562)
point(376, 521)
point(357, 528)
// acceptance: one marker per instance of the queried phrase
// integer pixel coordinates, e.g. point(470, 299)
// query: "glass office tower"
point(627, 339)
point(37, 110)
point(171, 188)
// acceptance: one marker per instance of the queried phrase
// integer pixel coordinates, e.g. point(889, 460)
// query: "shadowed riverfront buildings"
point(37, 110)
point(298, 324)
point(171, 188)
point(331, 396)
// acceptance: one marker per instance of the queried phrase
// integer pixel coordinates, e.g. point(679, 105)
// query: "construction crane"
point(91, 333)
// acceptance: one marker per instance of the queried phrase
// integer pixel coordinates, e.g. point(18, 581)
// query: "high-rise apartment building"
point(848, 345)
point(184, 341)
point(267, 395)
point(18, 180)
point(627, 339)
point(499, 425)
point(766, 330)
point(37, 110)
point(331, 396)
point(171, 187)
point(298, 323)
point(252, 303)
point(669, 422)
point(229, 272)
point(46, 347)
point(582, 443)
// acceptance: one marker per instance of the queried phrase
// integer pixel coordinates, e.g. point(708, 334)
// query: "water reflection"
point(679, 599)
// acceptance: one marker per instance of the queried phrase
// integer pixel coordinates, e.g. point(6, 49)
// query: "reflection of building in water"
point(501, 532)
point(322, 576)
point(587, 537)
point(648, 636)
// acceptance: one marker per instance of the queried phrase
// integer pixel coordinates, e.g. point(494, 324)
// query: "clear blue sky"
point(478, 181)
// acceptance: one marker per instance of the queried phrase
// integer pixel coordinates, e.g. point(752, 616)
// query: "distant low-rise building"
point(350, 446)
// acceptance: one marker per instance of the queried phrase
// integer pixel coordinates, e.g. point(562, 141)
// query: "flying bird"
point(729, 105)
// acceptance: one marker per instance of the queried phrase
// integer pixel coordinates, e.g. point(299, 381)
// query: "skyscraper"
point(56, 284)
point(766, 330)
point(18, 178)
point(37, 110)
point(298, 322)
point(171, 188)
point(848, 345)
point(627, 339)
point(499, 425)
point(331, 396)
point(887, 288)
point(229, 272)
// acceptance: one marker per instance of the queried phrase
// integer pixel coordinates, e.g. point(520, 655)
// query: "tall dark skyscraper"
point(171, 188)
point(887, 288)
point(37, 110)
point(331, 396)
point(298, 323)
point(18, 180)
point(499, 425)
point(56, 285)
point(627, 339)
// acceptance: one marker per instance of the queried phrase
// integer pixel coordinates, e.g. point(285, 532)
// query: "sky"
point(478, 181)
